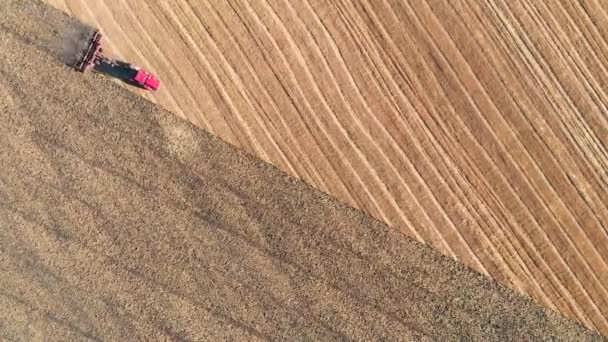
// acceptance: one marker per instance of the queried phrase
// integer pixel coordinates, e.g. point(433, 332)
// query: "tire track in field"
point(173, 70)
point(536, 192)
point(360, 128)
point(232, 105)
point(454, 113)
point(300, 65)
point(553, 132)
point(427, 25)
point(577, 129)
point(478, 127)
point(308, 171)
point(543, 175)
point(600, 110)
point(594, 147)
point(491, 245)
point(295, 102)
point(130, 46)
point(440, 162)
point(573, 185)
point(600, 271)
point(266, 133)
point(435, 205)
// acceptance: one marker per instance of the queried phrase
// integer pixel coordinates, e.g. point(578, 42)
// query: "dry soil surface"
point(120, 221)
point(478, 127)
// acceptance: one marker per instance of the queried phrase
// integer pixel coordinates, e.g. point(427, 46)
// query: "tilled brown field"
point(119, 221)
point(478, 127)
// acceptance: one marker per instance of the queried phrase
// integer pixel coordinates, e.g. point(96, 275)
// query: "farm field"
point(119, 221)
point(477, 127)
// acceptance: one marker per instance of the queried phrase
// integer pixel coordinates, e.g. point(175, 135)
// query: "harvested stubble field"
point(119, 221)
point(477, 127)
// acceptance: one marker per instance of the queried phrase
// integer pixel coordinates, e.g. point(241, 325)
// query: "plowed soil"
point(119, 221)
point(477, 127)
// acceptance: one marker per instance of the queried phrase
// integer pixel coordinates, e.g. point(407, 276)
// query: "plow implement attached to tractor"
point(92, 57)
point(89, 55)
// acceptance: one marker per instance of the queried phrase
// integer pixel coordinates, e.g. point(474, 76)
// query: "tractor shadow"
point(119, 72)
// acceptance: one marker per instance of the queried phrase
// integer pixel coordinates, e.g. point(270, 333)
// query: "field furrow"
point(478, 127)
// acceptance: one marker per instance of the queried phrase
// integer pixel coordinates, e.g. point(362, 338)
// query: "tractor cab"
point(145, 80)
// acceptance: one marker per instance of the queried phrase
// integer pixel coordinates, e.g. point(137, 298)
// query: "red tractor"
point(92, 57)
